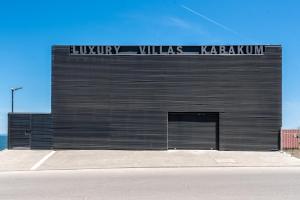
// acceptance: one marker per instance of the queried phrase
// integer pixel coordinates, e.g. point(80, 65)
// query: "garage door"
point(193, 130)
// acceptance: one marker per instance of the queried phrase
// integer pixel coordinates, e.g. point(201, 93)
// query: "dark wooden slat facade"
point(29, 131)
point(122, 102)
point(18, 131)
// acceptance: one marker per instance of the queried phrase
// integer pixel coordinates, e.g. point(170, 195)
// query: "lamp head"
point(17, 88)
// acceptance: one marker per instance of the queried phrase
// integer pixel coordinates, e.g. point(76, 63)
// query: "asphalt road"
point(174, 183)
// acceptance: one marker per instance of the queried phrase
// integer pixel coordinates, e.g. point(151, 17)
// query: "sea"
point(3, 141)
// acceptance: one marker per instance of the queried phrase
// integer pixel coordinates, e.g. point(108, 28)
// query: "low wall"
point(290, 138)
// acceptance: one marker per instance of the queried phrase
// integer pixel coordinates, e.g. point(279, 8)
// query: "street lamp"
point(12, 97)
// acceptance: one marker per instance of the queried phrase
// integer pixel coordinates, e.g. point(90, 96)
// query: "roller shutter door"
point(193, 131)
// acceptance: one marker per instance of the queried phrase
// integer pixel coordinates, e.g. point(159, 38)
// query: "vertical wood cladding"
point(31, 131)
point(122, 102)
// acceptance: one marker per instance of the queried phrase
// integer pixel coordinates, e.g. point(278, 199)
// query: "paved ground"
point(153, 183)
point(294, 152)
point(53, 160)
point(20, 159)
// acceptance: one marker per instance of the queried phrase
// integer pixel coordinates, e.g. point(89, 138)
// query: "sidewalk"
point(14, 160)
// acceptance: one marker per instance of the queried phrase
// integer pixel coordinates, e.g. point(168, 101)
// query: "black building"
point(161, 97)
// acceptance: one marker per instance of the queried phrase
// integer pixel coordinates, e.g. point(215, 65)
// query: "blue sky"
point(29, 28)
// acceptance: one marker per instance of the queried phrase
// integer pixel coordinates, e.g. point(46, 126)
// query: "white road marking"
point(40, 162)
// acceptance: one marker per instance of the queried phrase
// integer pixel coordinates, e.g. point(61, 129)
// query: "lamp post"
point(12, 97)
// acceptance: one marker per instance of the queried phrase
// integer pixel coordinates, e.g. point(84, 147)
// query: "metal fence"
point(290, 138)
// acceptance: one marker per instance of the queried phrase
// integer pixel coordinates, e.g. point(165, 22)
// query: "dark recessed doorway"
point(193, 130)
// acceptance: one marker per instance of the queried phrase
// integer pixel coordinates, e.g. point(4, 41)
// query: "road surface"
point(228, 183)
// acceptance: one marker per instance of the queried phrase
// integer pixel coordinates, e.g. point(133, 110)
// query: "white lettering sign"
point(168, 50)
